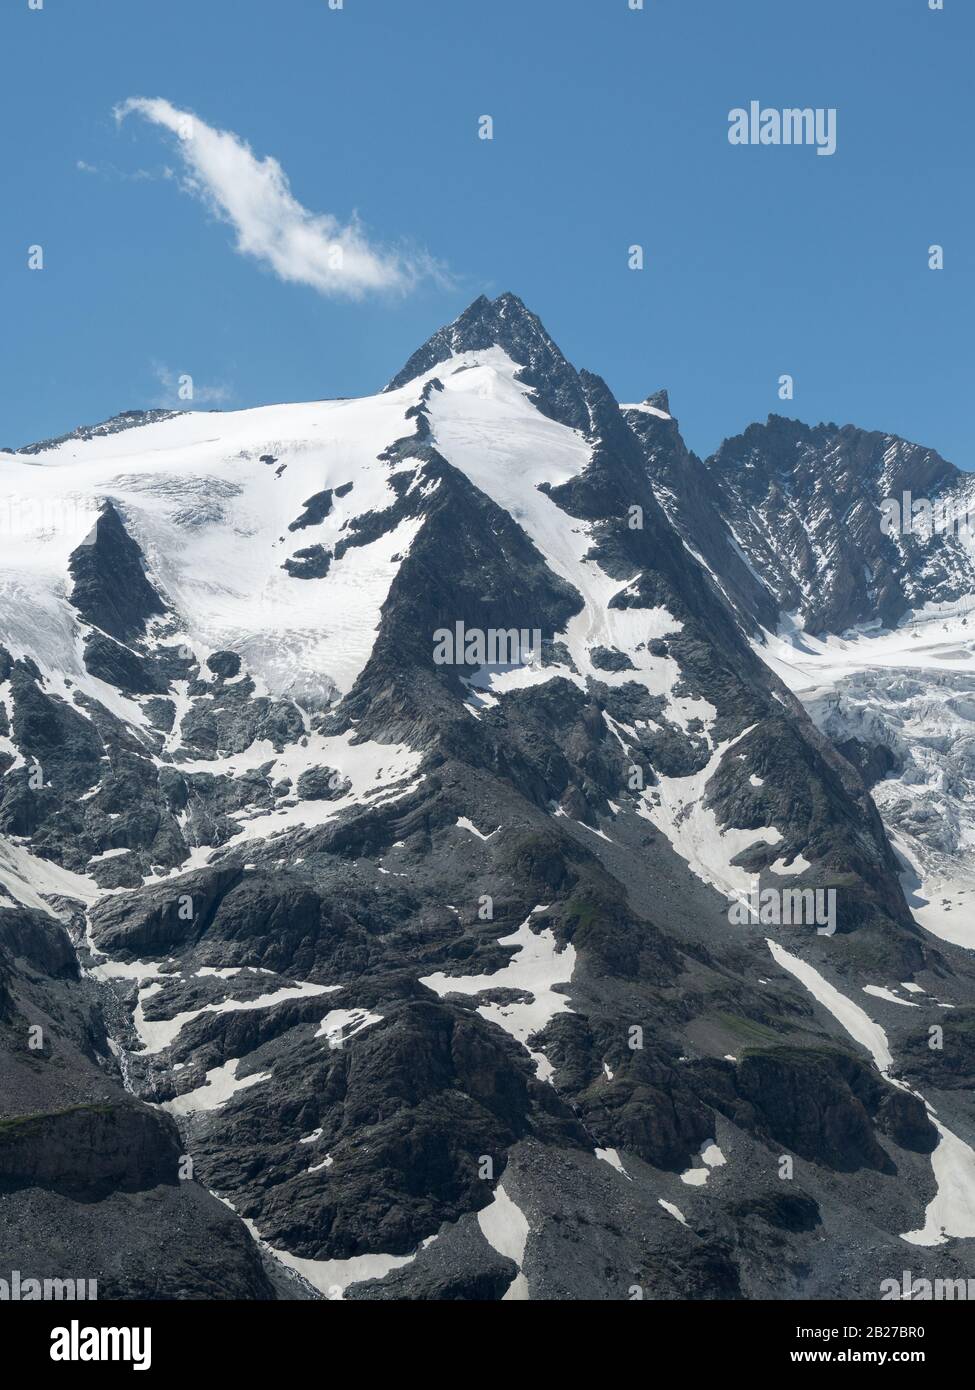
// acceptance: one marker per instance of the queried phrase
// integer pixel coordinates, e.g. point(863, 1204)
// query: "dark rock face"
point(821, 1105)
point(151, 923)
point(121, 667)
point(126, 1148)
point(43, 943)
point(87, 1172)
point(322, 784)
point(412, 1105)
point(951, 1065)
point(695, 505)
point(787, 1213)
point(224, 665)
point(111, 590)
point(54, 736)
point(230, 718)
point(312, 562)
point(804, 505)
point(317, 508)
point(609, 660)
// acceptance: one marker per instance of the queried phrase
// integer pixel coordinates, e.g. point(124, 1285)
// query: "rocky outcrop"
point(111, 590)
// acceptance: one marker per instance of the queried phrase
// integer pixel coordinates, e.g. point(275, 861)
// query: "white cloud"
point(253, 195)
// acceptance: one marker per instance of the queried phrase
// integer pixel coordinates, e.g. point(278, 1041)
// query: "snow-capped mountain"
point(384, 786)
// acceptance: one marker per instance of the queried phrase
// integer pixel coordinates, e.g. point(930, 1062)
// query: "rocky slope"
point(805, 506)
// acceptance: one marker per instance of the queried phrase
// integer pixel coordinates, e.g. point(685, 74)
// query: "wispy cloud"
point(177, 386)
point(112, 171)
point(254, 196)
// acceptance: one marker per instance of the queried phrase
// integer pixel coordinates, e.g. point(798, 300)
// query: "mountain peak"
point(503, 322)
point(656, 404)
point(506, 322)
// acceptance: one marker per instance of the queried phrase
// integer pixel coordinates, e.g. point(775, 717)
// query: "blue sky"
point(610, 129)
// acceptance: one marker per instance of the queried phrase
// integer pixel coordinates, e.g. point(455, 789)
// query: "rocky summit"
point(457, 844)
